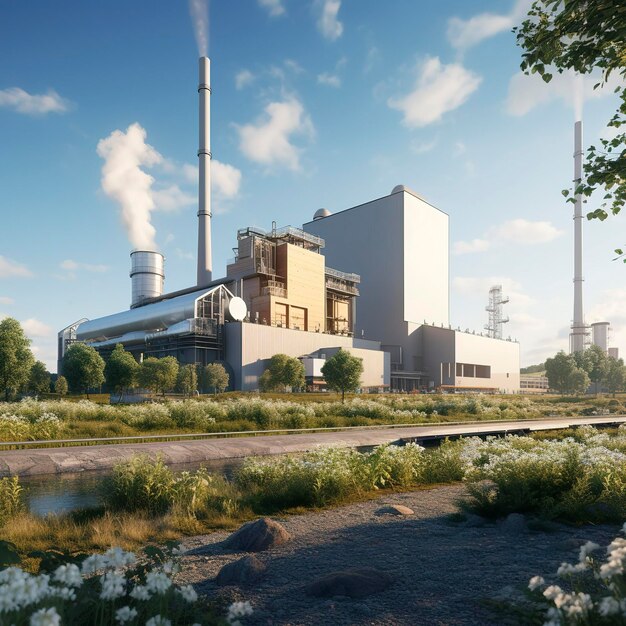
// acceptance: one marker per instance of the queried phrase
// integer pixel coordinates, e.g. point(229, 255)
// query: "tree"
point(60, 386)
point(187, 380)
point(595, 364)
point(283, 372)
point(83, 367)
point(121, 370)
point(158, 375)
point(578, 381)
point(16, 359)
point(615, 377)
point(39, 379)
point(216, 377)
point(585, 36)
point(559, 370)
point(342, 372)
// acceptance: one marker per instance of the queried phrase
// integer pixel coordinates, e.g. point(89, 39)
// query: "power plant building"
point(372, 280)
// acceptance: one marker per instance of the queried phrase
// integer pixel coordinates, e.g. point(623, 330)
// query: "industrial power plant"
point(309, 291)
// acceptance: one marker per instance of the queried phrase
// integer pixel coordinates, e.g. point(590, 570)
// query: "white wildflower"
point(93, 563)
point(158, 620)
point(535, 582)
point(586, 550)
point(608, 606)
point(158, 582)
point(170, 567)
point(125, 614)
point(140, 592)
point(567, 568)
point(45, 617)
point(188, 593)
point(236, 610)
point(112, 586)
point(116, 558)
point(65, 593)
point(552, 592)
point(68, 575)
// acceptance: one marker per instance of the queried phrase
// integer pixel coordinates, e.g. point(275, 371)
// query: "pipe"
point(205, 265)
point(578, 326)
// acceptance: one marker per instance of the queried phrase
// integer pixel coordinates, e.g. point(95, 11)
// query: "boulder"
point(395, 509)
point(246, 570)
point(257, 536)
point(353, 583)
point(514, 524)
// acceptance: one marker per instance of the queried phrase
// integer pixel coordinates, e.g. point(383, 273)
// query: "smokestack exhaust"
point(579, 330)
point(205, 266)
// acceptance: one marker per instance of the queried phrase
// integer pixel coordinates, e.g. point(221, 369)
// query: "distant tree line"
point(576, 373)
point(84, 370)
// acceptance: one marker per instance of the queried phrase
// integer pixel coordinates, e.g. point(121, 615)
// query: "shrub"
point(11, 498)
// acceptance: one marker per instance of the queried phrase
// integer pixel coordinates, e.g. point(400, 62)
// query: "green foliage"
point(584, 36)
point(11, 498)
point(158, 375)
point(83, 367)
point(187, 380)
point(121, 370)
point(533, 369)
point(145, 484)
point(215, 377)
point(16, 359)
point(615, 377)
point(342, 372)
point(60, 386)
point(565, 376)
point(284, 372)
point(39, 379)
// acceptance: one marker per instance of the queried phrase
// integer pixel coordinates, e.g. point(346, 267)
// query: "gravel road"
point(444, 571)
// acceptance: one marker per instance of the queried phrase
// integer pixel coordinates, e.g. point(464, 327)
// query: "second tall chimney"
point(205, 266)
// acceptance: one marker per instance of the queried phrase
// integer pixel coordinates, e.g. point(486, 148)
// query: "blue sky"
point(315, 103)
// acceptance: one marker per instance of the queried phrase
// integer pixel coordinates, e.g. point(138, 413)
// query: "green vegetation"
point(83, 367)
point(121, 370)
point(158, 375)
point(586, 36)
point(61, 386)
point(39, 379)
point(342, 372)
point(11, 501)
point(187, 380)
point(16, 359)
point(284, 373)
point(215, 378)
point(534, 369)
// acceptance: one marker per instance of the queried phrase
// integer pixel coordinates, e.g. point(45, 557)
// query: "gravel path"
point(443, 570)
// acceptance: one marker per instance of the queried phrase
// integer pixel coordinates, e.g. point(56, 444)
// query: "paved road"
point(98, 457)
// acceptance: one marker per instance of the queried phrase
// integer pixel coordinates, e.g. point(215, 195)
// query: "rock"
point(474, 521)
point(514, 524)
point(395, 509)
point(257, 536)
point(246, 570)
point(354, 583)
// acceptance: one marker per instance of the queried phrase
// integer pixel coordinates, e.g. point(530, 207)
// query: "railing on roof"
point(282, 233)
point(353, 278)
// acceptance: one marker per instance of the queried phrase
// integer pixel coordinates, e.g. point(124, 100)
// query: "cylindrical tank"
point(614, 353)
point(600, 335)
point(147, 275)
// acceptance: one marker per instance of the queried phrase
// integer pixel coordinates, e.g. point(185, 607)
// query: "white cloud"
point(269, 141)
point(34, 328)
point(23, 102)
point(6, 300)
point(274, 7)
point(243, 79)
point(422, 147)
point(184, 254)
point(527, 92)
point(372, 58)
point(172, 198)
point(469, 247)
point(459, 148)
point(331, 80)
point(226, 179)
point(463, 34)
point(526, 232)
point(328, 22)
point(518, 231)
point(478, 286)
point(439, 89)
point(72, 266)
point(124, 154)
point(10, 269)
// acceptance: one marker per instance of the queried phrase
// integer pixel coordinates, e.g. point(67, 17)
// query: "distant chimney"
point(205, 266)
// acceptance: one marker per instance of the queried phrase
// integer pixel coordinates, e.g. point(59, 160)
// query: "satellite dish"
point(237, 309)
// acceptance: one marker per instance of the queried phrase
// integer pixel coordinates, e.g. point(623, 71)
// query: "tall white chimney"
point(579, 330)
point(205, 265)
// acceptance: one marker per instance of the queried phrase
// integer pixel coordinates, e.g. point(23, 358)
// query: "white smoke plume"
point(123, 180)
point(199, 11)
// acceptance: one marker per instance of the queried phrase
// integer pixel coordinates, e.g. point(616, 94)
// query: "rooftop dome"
point(320, 213)
point(399, 188)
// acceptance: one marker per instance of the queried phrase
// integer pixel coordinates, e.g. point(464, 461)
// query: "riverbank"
point(101, 457)
point(445, 569)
